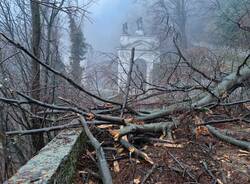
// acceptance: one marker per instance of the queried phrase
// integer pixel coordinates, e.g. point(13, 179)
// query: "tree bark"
point(37, 140)
point(181, 20)
point(231, 140)
point(228, 84)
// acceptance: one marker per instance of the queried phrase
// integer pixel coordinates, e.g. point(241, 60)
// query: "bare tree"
point(38, 141)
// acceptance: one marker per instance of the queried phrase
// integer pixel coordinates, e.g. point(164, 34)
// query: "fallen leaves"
point(200, 130)
point(115, 134)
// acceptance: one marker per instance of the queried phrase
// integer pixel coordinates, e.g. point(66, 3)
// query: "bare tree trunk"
point(181, 20)
point(47, 59)
point(37, 140)
point(128, 82)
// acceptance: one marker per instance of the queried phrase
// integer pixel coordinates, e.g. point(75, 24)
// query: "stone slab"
point(55, 163)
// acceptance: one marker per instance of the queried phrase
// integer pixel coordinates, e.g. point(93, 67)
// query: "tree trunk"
point(37, 140)
point(181, 20)
point(229, 84)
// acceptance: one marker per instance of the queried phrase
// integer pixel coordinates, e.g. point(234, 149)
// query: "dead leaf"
point(115, 134)
point(116, 167)
point(226, 157)
point(201, 130)
point(137, 180)
point(90, 116)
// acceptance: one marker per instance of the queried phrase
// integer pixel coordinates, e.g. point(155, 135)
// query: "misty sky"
point(107, 15)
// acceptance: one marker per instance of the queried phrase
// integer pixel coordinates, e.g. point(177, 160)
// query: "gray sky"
point(107, 15)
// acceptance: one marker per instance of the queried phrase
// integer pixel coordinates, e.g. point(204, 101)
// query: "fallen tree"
point(102, 162)
point(129, 126)
point(228, 139)
point(224, 88)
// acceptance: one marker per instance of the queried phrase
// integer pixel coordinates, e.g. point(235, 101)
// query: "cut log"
point(164, 127)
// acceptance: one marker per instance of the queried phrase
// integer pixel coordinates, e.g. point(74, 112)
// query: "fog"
point(105, 26)
point(149, 77)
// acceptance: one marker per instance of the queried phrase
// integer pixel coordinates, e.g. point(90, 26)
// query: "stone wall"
point(56, 162)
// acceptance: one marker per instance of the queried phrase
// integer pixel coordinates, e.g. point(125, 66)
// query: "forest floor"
point(193, 157)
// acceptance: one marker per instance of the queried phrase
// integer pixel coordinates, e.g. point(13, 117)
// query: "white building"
point(146, 54)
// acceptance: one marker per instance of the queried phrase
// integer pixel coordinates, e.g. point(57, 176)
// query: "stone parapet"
point(55, 163)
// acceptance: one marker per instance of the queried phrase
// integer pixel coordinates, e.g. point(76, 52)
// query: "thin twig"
point(149, 173)
point(128, 82)
point(102, 162)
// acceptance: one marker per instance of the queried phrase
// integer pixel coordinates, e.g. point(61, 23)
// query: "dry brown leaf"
point(201, 130)
point(116, 167)
point(115, 134)
point(226, 157)
point(137, 180)
point(90, 116)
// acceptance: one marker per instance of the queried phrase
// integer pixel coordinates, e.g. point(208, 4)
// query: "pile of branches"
point(116, 113)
